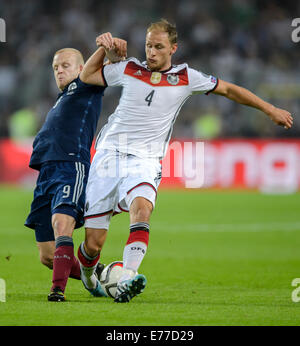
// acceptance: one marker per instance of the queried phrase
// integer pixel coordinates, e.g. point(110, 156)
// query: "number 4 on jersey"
point(149, 97)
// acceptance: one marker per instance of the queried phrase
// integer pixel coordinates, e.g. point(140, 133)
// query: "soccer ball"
point(111, 275)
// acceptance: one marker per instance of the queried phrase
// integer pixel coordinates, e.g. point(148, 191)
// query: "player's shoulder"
point(135, 60)
point(132, 61)
point(120, 66)
point(185, 66)
point(113, 73)
point(81, 85)
point(179, 67)
point(133, 65)
point(124, 62)
point(196, 73)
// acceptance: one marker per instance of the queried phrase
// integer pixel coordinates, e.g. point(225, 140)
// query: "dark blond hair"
point(164, 26)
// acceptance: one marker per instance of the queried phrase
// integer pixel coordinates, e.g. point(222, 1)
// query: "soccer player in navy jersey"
point(61, 154)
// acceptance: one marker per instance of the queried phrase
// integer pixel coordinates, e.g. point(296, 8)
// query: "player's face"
point(66, 68)
point(159, 50)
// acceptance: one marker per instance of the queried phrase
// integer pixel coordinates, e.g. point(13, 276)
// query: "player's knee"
point(63, 225)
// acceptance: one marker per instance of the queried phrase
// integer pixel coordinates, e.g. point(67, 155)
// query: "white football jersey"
point(143, 121)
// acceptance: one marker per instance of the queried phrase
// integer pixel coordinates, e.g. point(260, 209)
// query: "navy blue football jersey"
point(70, 125)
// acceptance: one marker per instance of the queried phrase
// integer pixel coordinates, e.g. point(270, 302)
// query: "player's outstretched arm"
point(115, 49)
point(243, 96)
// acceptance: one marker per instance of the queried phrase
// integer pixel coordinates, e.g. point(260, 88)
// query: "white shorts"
point(115, 180)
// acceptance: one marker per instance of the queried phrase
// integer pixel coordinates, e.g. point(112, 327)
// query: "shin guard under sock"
point(63, 262)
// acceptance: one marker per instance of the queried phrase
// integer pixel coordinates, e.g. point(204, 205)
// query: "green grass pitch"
point(214, 258)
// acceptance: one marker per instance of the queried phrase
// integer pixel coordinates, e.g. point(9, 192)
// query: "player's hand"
point(115, 48)
point(105, 40)
point(120, 47)
point(118, 51)
point(281, 117)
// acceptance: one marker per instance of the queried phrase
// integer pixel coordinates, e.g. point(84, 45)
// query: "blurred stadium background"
point(245, 42)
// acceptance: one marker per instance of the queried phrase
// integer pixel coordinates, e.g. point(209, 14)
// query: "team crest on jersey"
point(173, 79)
point(155, 77)
point(71, 88)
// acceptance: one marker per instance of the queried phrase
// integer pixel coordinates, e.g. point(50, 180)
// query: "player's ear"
point(80, 68)
point(173, 48)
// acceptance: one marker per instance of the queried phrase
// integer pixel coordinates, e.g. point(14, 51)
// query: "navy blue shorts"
point(60, 188)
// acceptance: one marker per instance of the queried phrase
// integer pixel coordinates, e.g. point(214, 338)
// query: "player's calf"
point(46, 251)
point(47, 261)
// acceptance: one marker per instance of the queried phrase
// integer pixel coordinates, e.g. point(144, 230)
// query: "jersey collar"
point(67, 86)
point(164, 71)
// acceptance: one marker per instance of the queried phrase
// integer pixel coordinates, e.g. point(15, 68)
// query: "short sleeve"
point(201, 83)
point(113, 73)
point(96, 88)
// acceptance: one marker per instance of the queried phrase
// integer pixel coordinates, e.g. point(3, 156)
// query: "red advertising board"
point(268, 165)
point(14, 160)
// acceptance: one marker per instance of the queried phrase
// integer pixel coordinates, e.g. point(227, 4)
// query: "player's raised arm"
point(115, 49)
point(243, 96)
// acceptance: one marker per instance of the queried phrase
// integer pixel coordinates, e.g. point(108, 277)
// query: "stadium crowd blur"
point(245, 42)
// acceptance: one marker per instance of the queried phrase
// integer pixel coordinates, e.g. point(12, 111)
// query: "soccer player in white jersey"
point(125, 172)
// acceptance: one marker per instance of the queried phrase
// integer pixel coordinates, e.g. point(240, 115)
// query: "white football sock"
point(88, 275)
point(133, 255)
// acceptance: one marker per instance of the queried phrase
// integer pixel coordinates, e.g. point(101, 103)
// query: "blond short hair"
point(76, 52)
point(164, 26)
